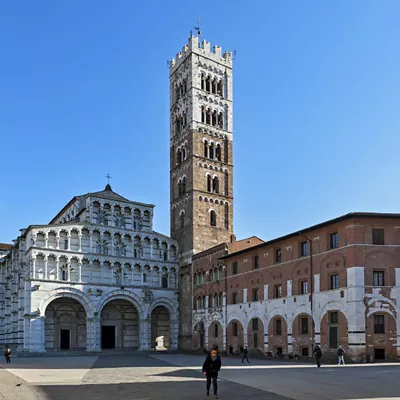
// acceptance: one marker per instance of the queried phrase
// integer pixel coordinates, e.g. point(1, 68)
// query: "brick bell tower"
point(201, 169)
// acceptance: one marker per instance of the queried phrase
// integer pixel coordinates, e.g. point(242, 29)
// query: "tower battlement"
point(202, 48)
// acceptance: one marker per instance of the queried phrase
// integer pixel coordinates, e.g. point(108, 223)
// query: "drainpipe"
point(226, 303)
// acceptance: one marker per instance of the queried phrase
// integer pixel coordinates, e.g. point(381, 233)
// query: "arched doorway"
point(119, 325)
point(198, 336)
point(381, 335)
point(277, 335)
point(255, 334)
point(234, 339)
point(215, 336)
point(65, 325)
point(160, 328)
point(334, 333)
point(302, 335)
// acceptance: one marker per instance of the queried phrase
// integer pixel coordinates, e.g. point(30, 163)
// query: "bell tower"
point(201, 183)
point(201, 191)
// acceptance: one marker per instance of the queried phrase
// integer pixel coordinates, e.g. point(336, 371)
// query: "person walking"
point(7, 354)
point(211, 366)
point(340, 354)
point(245, 355)
point(318, 355)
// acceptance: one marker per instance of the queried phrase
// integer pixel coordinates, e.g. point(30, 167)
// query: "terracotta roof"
point(5, 246)
point(108, 194)
point(314, 227)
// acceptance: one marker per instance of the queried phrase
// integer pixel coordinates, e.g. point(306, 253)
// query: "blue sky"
point(84, 92)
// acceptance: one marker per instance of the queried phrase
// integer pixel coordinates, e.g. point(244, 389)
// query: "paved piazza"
point(170, 376)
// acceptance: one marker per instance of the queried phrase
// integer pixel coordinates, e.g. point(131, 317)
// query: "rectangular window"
point(216, 330)
point(278, 291)
point(304, 351)
point(234, 298)
point(303, 249)
point(278, 327)
point(254, 323)
point(255, 262)
point(334, 240)
point(235, 328)
point(378, 236)
point(304, 325)
point(334, 317)
point(303, 287)
point(144, 278)
point(334, 281)
point(379, 323)
point(379, 278)
point(278, 256)
point(234, 268)
point(255, 294)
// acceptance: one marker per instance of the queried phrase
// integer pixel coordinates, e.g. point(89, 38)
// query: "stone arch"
point(301, 332)
point(164, 302)
point(72, 293)
point(331, 328)
point(234, 336)
point(278, 333)
point(121, 294)
point(332, 306)
point(198, 335)
point(215, 334)
point(255, 331)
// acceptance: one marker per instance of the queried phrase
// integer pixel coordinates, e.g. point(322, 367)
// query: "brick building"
point(264, 292)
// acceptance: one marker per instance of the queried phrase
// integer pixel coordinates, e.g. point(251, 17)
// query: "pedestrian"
point(245, 355)
point(211, 367)
point(340, 354)
point(7, 354)
point(318, 355)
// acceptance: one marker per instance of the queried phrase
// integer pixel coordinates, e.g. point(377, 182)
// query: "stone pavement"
point(169, 376)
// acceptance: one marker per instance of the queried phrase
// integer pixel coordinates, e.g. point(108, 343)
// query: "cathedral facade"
point(96, 277)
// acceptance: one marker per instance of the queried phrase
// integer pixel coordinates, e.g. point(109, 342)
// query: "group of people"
point(318, 355)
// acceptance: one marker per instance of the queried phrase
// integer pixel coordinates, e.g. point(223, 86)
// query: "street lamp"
point(311, 290)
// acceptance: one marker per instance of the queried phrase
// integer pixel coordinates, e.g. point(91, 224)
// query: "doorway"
point(65, 339)
point(108, 337)
point(379, 354)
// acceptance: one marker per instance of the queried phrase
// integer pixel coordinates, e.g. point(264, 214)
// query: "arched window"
point(202, 81)
point(226, 216)
point(215, 184)
point(206, 149)
point(164, 281)
point(215, 300)
point(203, 305)
point(210, 301)
point(179, 157)
point(220, 89)
point(183, 154)
point(218, 152)
point(209, 183)
point(203, 115)
point(182, 219)
point(195, 303)
point(226, 183)
point(203, 277)
point(213, 218)
point(214, 86)
point(211, 155)
point(194, 279)
point(214, 118)
point(144, 278)
point(220, 300)
point(208, 84)
point(220, 120)
point(183, 184)
point(208, 116)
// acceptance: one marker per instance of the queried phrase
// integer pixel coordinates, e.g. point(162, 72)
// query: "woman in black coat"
point(211, 367)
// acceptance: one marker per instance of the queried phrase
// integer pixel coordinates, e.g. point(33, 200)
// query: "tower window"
point(218, 152)
point(164, 281)
point(213, 218)
point(215, 184)
point(208, 116)
point(209, 183)
point(182, 220)
point(226, 216)
point(208, 84)
point(211, 151)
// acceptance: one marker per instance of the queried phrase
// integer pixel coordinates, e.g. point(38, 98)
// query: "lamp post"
point(311, 291)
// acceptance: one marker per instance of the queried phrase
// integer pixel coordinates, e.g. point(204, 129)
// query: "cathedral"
point(96, 277)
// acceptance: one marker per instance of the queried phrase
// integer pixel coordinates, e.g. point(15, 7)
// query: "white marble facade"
point(96, 277)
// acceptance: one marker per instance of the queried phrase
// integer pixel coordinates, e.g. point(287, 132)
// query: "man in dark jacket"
point(340, 354)
point(318, 355)
point(245, 351)
point(7, 354)
point(211, 367)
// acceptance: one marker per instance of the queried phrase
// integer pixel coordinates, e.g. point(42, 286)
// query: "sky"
point(84, 91)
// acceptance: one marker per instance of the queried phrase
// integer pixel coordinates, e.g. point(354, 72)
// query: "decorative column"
point(46, 241)
point(91, 270)
point(144, 332)
point(69, 241)
point(289, 338)
point(79, 271)
point(45, 268)
point(173, 334)
point(224, 325)
point(33, 268)
point(91, 242)
point(57, 242)
point(68, 271)
point(80, 242)
point(57, 270)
